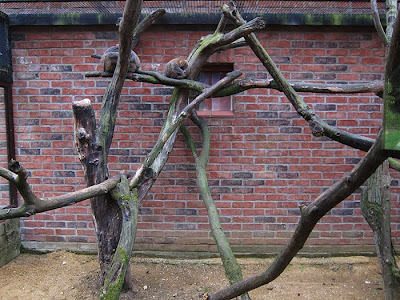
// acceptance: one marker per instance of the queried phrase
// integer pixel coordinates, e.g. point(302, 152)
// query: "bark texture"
point(115, 201)
point(392, 92)
point(128, 203)
point(375, 206)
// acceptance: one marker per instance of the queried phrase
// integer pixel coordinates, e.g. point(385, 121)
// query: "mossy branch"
point(105, 210)
point(317, 125)
point(244, 85)
point(171, 129)
point(179, 97)
point(211, 43)
point(232, 269)
point(128, 203)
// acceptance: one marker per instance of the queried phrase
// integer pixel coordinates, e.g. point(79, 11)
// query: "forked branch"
point(317, 125)
point(204, 49)
point(145, 24)
point(177, 122)
point(140, 28)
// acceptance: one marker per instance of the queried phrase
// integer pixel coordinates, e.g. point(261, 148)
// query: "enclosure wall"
point(10, 242)
point(264, 161)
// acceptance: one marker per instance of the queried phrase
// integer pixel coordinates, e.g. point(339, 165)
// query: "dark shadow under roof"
point(70, 12)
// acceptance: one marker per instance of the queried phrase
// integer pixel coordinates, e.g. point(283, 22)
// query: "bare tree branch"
point(232, 269)
point(305, 87)
point(378, 23)
point(145, 24)
point(140, 28)
point(110, 101)
point(221, 25)
point(33, 205)
point(106, 212)
point(317, 125)
point(7, 174)
point(151, 157)
point(391, 16)
point(243, 85)
point(21, 182)
point(209, 44)
point(310, 215)
point(237, 44)
point(203, 50)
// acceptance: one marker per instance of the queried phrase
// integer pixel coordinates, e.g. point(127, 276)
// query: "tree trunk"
point(375, 205)
point(94, 143)
point(128, 203)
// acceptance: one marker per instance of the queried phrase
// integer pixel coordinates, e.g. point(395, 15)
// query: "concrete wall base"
point(10, 242)
point(171, 251)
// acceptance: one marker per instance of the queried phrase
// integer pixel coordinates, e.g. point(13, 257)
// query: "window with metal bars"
point(220, 106)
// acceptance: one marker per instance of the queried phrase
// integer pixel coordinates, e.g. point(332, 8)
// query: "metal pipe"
point(9, 112)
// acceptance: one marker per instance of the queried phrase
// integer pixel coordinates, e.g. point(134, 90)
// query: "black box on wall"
point(5, 51)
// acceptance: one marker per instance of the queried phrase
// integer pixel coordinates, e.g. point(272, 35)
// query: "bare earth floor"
point(64, 275)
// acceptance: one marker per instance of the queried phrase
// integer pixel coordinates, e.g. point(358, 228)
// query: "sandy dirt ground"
point(64, 275)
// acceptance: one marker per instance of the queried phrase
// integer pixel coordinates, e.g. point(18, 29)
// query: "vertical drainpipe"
point(6, 80)
point(9, 112)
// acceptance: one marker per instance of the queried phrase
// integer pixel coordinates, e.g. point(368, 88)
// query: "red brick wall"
point(264, 162)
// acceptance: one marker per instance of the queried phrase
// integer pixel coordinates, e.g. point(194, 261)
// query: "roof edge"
point(191, 19)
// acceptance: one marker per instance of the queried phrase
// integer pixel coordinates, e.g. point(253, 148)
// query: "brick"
point(264, 161)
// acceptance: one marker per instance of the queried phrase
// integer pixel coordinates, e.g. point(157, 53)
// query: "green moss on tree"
point(114, 288)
